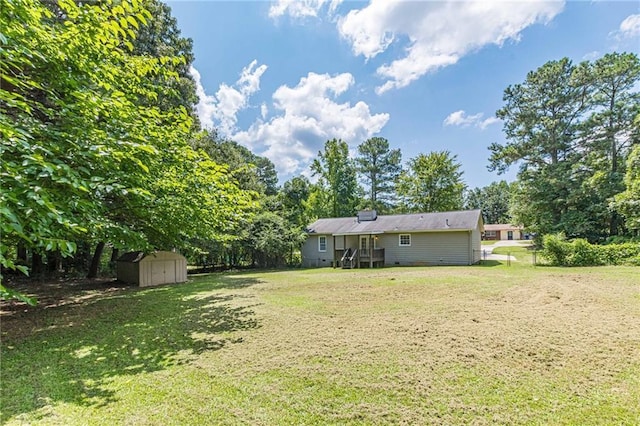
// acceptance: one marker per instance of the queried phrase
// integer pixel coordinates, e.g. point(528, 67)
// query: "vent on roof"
point(367, 215)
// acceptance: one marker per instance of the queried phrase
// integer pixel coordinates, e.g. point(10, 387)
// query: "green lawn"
point(446, 345)
point(521, 253)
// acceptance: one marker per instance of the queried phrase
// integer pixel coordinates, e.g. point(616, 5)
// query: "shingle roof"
point(132, 256)
point(417, 222)
point(502, 227)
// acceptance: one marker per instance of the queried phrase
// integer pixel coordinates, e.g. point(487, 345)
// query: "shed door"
point(163, 271)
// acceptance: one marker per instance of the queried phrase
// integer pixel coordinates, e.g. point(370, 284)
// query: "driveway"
point(487, 251)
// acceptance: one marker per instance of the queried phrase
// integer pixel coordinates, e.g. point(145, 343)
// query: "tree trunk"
point(53, 261)
point(36, 263)
point(95, 261)
point(22, 254)
point(115, 253)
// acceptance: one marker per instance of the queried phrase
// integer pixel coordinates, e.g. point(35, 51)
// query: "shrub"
point(559, 252)
point(617, 254)
point(582, 253)
point(555, 249)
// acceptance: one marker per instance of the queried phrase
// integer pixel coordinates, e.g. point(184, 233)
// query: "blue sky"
point(282, 77)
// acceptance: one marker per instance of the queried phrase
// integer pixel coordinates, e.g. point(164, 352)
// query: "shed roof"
point(132, 257)
point(417, 222)
point(138, 256)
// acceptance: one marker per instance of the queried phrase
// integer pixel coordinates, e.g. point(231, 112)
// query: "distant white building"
point(501, 231)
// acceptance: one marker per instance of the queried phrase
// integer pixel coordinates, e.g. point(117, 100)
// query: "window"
point(322, 243)
point(405, 240)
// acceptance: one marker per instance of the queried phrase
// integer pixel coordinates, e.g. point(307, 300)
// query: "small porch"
point(357, 251)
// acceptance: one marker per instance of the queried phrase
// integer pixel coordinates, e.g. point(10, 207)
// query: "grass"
point(521, 253)
point(445, 345)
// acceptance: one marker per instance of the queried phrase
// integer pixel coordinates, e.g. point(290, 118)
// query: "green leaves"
point(93, 146)
point(570, 129)
point(493, 200)
point(379, 167)
point(432, 183)
point(338, 172)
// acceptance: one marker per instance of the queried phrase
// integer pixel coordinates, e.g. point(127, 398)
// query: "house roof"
point(501, 227)
point(417, 222)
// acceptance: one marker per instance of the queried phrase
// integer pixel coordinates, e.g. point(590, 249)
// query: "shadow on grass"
point(490, 263)
point(67, 353)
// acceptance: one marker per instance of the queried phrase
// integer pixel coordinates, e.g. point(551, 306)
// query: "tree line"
point(102, 152)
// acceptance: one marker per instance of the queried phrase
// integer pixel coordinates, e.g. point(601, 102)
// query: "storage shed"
point(144, 270)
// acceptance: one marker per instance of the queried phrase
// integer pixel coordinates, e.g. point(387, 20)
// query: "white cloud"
point(591, 56)
point(630, 27)
point(488, 121)
point(309, 115)
point(460, 118)
point(206, 104)
point(301, 8)
point(439, 33)
point(221, 109)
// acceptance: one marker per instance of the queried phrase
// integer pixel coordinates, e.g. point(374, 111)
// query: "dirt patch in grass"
point(16, 317)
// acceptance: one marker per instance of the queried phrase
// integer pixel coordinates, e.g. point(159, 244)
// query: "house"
point(144, 270)
point(501, 231)
point(367, 240)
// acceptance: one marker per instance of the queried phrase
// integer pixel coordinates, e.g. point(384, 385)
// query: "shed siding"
point(312, 257)
point(428, 248)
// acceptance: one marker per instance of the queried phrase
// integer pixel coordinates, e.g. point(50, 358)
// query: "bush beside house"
point(579, 252)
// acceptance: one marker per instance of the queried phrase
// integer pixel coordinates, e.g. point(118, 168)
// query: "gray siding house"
point(367, 240)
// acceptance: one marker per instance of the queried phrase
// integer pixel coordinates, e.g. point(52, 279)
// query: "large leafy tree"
point(379, 166)
point(493, 200)
point(272, 239)
point(159, 37)
point(569, 127)
point(87, 151)
point(337, 175)
point(70, 134)
point(609, 130)
point(252, 172)
point(431, 183)
point(628, 201)
point(295, 200)
point(541, 117)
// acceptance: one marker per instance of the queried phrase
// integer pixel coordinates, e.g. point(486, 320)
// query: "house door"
point(510, 235)
point(364, 245)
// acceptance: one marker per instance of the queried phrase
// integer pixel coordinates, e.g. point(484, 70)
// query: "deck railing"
point(377, 254)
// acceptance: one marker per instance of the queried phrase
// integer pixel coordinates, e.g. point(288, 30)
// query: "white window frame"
point(320, 238)
point(400, 240)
